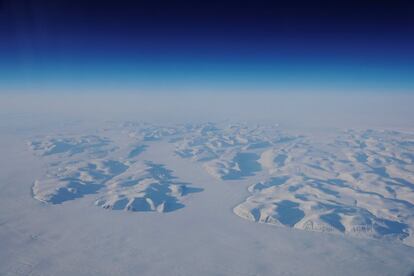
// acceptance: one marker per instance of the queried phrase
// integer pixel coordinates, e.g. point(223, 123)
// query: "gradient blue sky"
point(195, 46)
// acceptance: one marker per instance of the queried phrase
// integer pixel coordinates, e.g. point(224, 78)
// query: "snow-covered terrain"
point(349, 192)
point(356, 182)
point(353, 182)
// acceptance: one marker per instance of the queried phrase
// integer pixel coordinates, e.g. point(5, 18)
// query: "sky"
point(206, 46)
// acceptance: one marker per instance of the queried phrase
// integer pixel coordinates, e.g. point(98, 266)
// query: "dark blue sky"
point(334, 45)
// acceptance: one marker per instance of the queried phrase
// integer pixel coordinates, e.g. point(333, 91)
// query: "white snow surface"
point(134, 198)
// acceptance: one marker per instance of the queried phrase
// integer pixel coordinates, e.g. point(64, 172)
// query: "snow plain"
point(133, 198)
